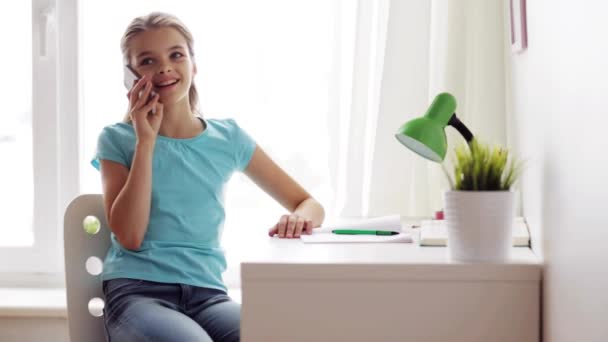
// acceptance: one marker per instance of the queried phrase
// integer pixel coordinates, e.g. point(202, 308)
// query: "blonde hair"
point(157, 20)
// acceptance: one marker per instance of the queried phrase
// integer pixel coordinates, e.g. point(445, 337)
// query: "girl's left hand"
point(291, 226)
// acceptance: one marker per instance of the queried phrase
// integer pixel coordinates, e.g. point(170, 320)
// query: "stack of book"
point(434, 233)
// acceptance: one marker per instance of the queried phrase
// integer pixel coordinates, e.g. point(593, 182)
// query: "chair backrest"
point(84, 292)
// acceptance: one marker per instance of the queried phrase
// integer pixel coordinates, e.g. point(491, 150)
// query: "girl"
point(164, 170)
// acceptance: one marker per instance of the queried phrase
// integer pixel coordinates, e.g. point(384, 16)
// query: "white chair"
point(83, 281)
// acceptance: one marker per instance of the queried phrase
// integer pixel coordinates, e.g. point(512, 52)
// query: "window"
point(269, 64)
point(37, 137)
point(264, 63)
point(16, 175)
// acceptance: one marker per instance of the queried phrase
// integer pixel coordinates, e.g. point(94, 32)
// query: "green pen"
point(362, 232)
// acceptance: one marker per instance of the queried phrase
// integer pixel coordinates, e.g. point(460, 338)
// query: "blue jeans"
point(141, 310)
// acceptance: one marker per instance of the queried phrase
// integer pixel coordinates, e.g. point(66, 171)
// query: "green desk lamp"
point(426, 135)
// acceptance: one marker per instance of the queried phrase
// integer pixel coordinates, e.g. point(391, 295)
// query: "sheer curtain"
point(358, 73)
point(406, 52)
point(375, 174)
point(467, 60)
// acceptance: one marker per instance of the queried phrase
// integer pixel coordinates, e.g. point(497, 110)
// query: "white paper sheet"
point(385, 223)
point(390, 223)
point(337, 238)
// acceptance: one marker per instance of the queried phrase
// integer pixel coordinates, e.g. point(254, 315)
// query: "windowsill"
point(33, 302)
point(47, 302)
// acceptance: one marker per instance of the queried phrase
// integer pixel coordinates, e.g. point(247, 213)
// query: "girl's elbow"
point(126, 238)
point(132, 244)
point(321, 214)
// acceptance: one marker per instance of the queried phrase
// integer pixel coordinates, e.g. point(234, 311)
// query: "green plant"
point(481, 167)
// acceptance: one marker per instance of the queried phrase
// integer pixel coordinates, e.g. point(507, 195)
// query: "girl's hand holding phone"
point(145, 114)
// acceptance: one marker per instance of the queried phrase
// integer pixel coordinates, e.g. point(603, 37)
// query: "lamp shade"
point(426, 135)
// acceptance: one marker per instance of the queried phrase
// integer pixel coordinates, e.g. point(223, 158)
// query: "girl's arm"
point(127, 196)
point(306, 212)
point(128, 193)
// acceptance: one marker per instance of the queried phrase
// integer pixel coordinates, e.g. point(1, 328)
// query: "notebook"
point(386, 223)
point(434, 233)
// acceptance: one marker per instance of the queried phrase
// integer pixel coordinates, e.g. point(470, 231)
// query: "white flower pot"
point(479, 225)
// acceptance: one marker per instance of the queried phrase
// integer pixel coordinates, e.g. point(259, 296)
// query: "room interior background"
point(546, 102)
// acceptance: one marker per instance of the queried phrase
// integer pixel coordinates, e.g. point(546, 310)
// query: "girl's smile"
point(166, 85)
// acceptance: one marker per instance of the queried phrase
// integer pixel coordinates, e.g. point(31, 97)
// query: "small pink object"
point(439, 215)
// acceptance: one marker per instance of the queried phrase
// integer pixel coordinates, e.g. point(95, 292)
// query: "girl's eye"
point(177, 55)
point(145, 61)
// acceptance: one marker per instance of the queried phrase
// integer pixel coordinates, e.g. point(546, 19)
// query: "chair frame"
point(82, 286)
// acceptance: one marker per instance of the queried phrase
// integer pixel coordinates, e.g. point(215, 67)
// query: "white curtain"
point(355, 107)
point(406, 52)
point(467, 60)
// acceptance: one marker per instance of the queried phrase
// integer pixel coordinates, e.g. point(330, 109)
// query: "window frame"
point(56, 138)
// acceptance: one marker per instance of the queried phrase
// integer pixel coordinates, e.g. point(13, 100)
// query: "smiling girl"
point(164, 170)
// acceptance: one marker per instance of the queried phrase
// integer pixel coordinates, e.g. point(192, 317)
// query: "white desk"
point(385, 292)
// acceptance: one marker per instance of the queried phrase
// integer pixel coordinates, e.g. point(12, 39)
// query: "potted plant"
point(480, 207)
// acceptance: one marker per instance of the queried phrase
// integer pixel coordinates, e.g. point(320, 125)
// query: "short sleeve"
point(244, 146)
point(108, 147)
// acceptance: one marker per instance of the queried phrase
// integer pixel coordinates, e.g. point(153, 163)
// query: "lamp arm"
point(461, 128)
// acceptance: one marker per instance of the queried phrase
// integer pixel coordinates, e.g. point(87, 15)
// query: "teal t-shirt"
point(182, 242)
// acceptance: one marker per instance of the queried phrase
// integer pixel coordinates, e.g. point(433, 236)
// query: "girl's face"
point(163, 54)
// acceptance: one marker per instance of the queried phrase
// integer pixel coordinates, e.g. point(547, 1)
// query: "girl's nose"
point(165, 68)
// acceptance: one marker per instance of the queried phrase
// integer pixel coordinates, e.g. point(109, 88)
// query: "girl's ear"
point(194, 70)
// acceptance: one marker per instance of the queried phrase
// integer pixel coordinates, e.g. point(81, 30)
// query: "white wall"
point(559, 121)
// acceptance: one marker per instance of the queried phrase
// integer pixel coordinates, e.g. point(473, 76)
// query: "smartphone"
point(131, 76)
